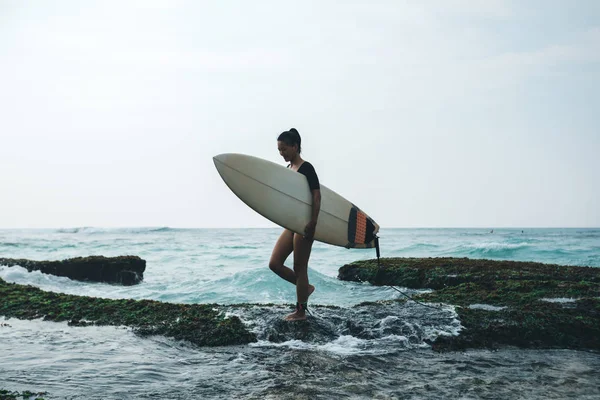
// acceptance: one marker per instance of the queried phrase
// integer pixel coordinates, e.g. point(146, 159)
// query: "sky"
point(449, 113)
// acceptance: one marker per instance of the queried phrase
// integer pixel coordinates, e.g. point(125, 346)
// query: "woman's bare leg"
point(283, 248)
point(302, 248)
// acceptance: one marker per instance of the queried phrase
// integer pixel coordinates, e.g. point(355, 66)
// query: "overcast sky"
point(450, 113)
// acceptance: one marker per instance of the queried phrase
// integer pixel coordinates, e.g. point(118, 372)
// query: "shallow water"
point(348, 352)
point(108, 362)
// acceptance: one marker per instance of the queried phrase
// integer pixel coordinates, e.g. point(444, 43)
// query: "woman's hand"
point(309, 230)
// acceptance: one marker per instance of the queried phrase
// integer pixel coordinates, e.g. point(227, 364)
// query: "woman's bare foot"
point(298, 315)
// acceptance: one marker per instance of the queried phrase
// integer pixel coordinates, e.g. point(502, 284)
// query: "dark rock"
point(521, 290)
point(10, 395)
point(437, 273)
point(124, 270)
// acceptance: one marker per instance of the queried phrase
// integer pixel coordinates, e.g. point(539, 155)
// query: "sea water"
point(384, 353)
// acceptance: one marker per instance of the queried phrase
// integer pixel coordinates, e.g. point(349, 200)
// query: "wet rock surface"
point(201, 324)
point(527, 318)
point(124, 270)
point(474, 304)
point(14, 395)
point(395, 323)
point(376, 326)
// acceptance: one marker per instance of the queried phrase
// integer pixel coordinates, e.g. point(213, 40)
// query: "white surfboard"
point(283, 196)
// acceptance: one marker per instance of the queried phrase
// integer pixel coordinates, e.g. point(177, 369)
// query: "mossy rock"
point(9, 395)
point(526, 320)
point(437, 273)
point(202, 324)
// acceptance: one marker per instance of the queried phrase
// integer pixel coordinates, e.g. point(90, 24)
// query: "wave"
point(497, 245)
point(491, 249)
point(10, 244)
point(162, 229)
point(591, 234)
point(74, 230)
point(93, 230)
point(239, 247)
point(416, 247)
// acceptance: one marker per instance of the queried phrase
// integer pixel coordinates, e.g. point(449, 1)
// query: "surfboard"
point(283, 196)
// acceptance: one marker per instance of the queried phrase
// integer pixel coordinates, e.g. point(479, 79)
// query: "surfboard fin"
point(377, 249)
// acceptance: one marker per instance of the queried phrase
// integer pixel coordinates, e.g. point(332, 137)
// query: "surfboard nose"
point(222, 159)
point(231, 160)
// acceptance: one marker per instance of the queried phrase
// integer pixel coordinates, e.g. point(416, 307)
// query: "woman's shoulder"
point(306, 166)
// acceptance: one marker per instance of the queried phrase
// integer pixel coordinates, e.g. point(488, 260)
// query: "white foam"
point(491, 246)
point(560, 300)
point(20, 275)
point(431, 333)
point(62, 284)
point(33, 328)
point(239, 359)
point(389, 319)
point(344, 345)
point(486, 307)
point(246, 318)
point(292, 344)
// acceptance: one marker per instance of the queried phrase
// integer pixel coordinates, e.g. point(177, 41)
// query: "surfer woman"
point(288, 144)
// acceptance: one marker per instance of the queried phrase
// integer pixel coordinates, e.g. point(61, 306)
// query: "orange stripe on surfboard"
point(361, 228)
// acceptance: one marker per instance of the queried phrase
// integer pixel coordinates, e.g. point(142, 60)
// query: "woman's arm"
point(309, 231)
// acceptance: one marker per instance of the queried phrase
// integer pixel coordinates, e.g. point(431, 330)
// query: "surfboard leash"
point(303, 307)
point(393, 287)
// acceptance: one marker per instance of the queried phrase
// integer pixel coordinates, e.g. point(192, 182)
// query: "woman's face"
point(286, 151)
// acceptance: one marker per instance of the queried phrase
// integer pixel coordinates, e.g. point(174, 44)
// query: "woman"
point(288, 144)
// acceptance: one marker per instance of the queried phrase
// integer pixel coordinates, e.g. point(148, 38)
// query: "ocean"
point(230, 266)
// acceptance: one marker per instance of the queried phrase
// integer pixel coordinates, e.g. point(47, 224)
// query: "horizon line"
point(278, 227)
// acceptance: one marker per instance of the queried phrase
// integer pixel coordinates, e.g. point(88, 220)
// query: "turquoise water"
point(383, 354)
point(229, 266)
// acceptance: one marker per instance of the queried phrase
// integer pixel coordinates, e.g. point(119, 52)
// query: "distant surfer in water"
point(288, 144)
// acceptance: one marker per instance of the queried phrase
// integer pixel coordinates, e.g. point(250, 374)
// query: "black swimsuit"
point(308, 170)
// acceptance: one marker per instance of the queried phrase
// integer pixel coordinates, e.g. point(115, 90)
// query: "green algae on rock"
point(532, 326)
point(9, 395)
point(521, 288)
point(436, 273)
point(201, 324)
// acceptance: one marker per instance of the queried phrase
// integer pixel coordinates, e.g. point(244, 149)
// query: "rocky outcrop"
point(201, 324)
point(124, 270)
point(499, 303)
point(11, 395)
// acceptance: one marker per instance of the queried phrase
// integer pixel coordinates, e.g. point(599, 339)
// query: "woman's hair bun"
point(291, 138)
